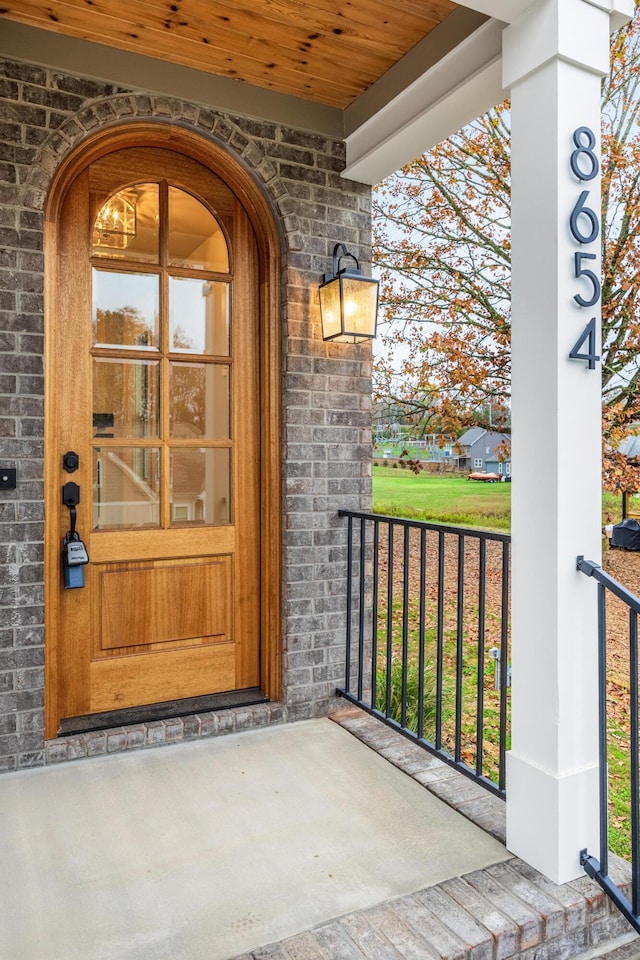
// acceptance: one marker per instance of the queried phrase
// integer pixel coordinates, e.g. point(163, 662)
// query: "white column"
point(554, 57)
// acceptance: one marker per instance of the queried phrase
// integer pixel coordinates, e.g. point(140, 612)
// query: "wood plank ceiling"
point(327, 51)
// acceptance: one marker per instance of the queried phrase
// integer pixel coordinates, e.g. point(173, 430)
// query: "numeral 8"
point(587, 150)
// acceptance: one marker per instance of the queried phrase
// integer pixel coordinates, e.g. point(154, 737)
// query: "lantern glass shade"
point(349, 308)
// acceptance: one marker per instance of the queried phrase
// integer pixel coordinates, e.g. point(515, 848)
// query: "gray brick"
point(116, 740)
point(190, 727)
point(385, 921)
point(56, 751)
point(548, 908)
point(96, 744)
point(374, 944)
point(33, 759)
point(566, 947)
point(528, 922)
point(608, 928)
point(304, 946)
point(30, 721)
point(478, 940)
point(596, 900)
point(76, 747)
point(174, 730)
point(428, 926)
point(504, 930)
point(272, 952)
point(135, 736)
point(155, 732)
point(8, 724)
point(336, 943)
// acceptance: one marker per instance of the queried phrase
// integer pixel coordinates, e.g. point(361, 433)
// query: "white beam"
point(505, 10)
point(620, 11)
point(460, 87)
point(511, 10)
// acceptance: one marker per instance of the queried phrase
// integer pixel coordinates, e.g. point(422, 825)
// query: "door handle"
point(74, 552)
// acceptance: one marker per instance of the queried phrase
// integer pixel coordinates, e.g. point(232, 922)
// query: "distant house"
point(484, 451)
point(630, 446)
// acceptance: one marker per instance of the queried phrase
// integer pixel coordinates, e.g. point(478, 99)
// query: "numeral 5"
point(581, 271)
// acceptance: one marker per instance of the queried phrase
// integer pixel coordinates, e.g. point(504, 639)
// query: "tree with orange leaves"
point(442, 245)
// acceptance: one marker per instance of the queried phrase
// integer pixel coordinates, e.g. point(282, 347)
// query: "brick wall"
point(326, 441)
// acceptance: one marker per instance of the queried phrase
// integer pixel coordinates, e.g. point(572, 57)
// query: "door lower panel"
point(148, 678)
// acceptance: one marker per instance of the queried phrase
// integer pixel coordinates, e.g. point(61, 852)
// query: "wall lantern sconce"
point(348, 301)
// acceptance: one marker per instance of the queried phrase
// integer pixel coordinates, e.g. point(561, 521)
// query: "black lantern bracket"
point(326, 277)
point(348, 300)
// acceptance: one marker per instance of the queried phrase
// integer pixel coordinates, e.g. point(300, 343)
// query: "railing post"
point(440, 641)
point(361, 605)
point(482, 567)
point(347, 669)
point(603, 771)
point(635, 786)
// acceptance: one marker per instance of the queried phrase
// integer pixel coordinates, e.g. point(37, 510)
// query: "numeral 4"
point(588, 335)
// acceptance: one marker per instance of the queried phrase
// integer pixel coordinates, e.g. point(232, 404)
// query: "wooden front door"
point(153, 381)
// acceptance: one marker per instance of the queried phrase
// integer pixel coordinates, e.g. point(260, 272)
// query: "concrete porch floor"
point(294, 842)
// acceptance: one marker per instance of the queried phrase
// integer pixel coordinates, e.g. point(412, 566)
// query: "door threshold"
point(161, 711)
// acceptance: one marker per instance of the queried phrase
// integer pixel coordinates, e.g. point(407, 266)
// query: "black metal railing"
point(427, 646)
point(599, 870)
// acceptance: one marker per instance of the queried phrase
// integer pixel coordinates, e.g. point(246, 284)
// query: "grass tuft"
point(412, 698)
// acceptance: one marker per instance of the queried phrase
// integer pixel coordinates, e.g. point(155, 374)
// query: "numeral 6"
point(581, 210)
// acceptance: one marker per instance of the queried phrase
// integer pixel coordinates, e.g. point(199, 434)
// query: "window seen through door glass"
point(127, 225)
point(126, 309)
point(125, 398)
point(200, 486)
point(199, 316)
point(199, 398)
point(195, 238)
point(126, 487)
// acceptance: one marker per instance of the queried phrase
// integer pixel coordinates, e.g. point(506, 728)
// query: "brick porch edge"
point(506, 910)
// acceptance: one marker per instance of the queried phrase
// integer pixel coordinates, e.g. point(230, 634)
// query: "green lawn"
point(446, 498)
point(442, 499)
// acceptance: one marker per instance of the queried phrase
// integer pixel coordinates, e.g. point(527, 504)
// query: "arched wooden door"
point(153, 381)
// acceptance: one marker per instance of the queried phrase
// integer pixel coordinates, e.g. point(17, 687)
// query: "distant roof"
point(470, 436)
point(630, 446)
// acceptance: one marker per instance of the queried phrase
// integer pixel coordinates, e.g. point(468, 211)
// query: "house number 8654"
point(584, 224)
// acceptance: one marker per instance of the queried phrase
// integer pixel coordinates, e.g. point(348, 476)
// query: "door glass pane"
point(126, 487)
point(127, 225)
point(195, 237)
point(125, 398)
point(200, 486)
point(125, 309)
point(199, 316)
point(199, 397)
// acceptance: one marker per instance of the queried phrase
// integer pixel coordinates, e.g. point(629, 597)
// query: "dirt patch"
point(421, 576)
point(430, 569)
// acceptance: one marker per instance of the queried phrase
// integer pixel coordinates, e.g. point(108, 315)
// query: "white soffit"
point(460, 87)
